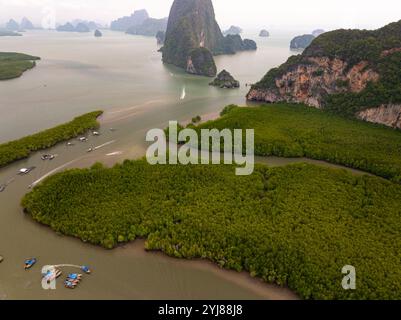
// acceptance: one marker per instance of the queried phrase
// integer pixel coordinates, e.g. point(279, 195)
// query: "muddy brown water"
point(122, 75)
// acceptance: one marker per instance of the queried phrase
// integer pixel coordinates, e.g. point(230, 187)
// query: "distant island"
point(150, 27)
point(317, 32)
point(7, 33)
point(124, 23)
point(233, 30)
point(301, 42)
point(25, 24)
point(13, 65)
point(264, 33)
point(12, 25)
point(359, 76)
point(193, 36)
point(78, 26)
point(225, 80)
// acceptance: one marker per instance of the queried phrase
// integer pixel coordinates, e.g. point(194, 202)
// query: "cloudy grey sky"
point(279, 14)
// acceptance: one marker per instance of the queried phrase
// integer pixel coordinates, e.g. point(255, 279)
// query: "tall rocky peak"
point(26, 24)
point(350, 72)
point(12, 25)
point(192, 26)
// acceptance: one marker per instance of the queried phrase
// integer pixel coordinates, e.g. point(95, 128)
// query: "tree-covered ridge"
point(22, 148)
point(354, 46)
point(13, 65)
point(381, 49)
point(296, 225)
point(299, 131)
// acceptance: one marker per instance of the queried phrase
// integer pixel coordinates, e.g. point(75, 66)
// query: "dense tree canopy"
point(22, 148)
point(13, 65)
point(297, 225)
point(298, 131)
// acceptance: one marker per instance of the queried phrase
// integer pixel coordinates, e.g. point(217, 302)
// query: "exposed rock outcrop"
point(311, 81)
point(358, 76)
point(264, 33)
point(225, 80)
point(389, 115)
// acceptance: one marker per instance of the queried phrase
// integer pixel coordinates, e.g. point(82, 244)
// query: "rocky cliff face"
point(350, 72)
point(311, 81)
point(389, 115)
point(192, 25)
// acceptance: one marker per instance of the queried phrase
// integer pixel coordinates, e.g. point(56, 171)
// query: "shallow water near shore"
point(124, 76)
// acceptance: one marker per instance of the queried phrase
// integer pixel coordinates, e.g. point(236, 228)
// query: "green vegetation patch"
point(298, 131)
point(379, 48)
point(13, 65)
point(20, 149)
point(297, 225)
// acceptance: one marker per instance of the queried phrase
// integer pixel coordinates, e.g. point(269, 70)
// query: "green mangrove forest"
point(13, 65)
point(295, 226)
point(286, 130)
point(22, 148)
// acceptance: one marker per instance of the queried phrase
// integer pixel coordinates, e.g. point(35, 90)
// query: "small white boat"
point(183, 94)
point(48, 157)
point(24, 171)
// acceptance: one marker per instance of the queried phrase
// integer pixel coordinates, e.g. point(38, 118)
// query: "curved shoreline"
point(266, 290)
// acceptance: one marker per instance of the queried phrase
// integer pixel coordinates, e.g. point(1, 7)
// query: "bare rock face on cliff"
point(192, 25)
point(351, 72)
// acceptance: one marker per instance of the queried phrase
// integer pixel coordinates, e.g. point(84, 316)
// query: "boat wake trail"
point(53, 172)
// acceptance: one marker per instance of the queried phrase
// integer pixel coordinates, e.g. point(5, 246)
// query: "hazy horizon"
point(252, 14)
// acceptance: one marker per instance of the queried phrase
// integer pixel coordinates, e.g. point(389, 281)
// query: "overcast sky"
point(251, 14)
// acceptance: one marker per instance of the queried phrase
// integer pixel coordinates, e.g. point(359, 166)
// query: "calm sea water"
point(122, 75)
